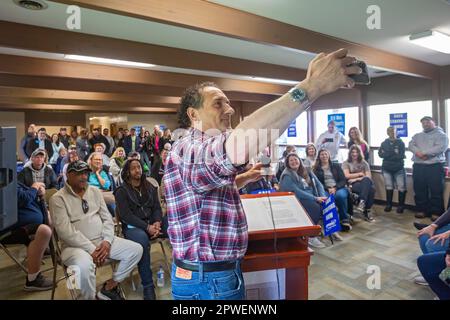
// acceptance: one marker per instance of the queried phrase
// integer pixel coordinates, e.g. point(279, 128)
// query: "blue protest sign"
point(292, 130)
point(339, 120)
point(400, 122)
point(331, 222)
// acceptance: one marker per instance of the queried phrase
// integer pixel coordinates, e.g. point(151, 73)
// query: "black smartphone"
point(362, 78)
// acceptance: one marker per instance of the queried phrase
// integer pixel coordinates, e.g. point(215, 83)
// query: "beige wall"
point(381, 194)
point(398, 88)
point(150, 120)
point(14, 119)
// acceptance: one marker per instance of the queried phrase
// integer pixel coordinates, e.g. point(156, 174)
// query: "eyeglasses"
point(84, 205)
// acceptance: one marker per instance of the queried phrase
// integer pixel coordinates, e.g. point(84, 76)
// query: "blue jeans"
point(430, 266)
point(144, 265)
point(396, 179)
point(341, 199)
point(429, 246)
point(218, 285)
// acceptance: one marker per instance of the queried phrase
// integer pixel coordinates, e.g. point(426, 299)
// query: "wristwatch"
point(299, 96)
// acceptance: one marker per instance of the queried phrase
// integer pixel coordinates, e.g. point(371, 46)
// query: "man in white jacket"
point(331, 140)
point(86, 230)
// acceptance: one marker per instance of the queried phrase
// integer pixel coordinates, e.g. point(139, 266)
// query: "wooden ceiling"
point(55, 84)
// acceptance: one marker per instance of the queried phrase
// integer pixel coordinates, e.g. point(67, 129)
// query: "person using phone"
point(139, 210)
point(331, 140)
point(206, 168)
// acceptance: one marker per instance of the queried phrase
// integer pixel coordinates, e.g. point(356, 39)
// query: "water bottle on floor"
point(160, 281)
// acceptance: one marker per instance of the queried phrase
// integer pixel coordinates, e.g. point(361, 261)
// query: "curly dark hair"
point(191, 98)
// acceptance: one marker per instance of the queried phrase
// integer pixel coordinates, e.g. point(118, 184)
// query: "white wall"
point(14, 119)
point(149, 120)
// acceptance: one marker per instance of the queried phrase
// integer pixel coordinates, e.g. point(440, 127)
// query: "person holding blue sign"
point(309, 191)
point(333, 179)
point(392, 151)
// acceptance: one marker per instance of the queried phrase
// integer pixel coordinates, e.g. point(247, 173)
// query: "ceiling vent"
point(32, 4)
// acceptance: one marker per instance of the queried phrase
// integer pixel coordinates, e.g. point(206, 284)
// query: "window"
point(350, 119)
point(299, 134)
point(345, 118)
point(406, 116)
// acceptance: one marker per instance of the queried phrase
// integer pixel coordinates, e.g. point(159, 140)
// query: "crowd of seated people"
point(120, 165)
point(106, 167)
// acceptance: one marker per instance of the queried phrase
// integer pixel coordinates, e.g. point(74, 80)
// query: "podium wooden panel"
point(292, 253)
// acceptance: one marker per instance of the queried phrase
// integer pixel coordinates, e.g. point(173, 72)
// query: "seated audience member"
point(266, 183)
point(73, 156)
point(32, 231)
point(100, 148)
point(333, 179)
point(355, 138)
point(136, 155)
point(392, 151)
point(431, 265)
point(86, 230)
point(307, 188)
point(433, 240)
point(57, 146)
point(141, 217)
point(37, 170)
point(58, 167)
point(116, 163)
point(159, 165)
point(357, 172)
point(98, 176)
point(65, 159)
point(311, 155)
point(280, 166)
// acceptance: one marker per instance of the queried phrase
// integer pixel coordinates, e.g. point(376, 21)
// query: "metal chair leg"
point(165, 257)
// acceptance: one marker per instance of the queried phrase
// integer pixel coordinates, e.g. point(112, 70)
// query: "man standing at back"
point(428, 148)
point(207, 224)
point(331, 140)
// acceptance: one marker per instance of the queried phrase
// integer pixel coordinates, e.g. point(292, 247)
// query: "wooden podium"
point(292, 253)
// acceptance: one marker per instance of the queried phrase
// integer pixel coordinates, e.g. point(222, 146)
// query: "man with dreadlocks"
point(141, 217)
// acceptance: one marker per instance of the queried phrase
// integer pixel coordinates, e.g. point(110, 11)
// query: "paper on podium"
point(287, 213)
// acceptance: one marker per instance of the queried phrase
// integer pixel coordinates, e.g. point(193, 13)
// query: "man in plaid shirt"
point(205, 169)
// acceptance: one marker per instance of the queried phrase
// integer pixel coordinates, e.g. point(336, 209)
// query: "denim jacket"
point(291, 181)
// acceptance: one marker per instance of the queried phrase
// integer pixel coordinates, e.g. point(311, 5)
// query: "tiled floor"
point(337, 272)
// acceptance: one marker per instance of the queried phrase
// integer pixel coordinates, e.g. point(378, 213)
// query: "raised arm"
point(326, 74)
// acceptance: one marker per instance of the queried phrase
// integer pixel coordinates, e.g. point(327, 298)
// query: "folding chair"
point(3, 247)
point(58, 261)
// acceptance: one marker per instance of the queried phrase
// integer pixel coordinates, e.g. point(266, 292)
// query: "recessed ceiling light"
point(31, 4)
point(433, 40)
point(108, 61)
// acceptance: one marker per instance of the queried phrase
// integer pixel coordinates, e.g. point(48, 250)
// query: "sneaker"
point(346, 226)
point(149, 293)
point(368, 216)
point(41, 283)
point(316, 243)
point(337, 237)
point(420, 215)
point(420, 281)
point(113, 294)
point(361, 207)
point(434, 217)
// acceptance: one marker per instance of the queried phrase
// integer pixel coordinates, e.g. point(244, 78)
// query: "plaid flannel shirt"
point(206, 218)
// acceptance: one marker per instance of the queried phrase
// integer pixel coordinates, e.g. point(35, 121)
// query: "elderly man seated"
point(86, 230)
